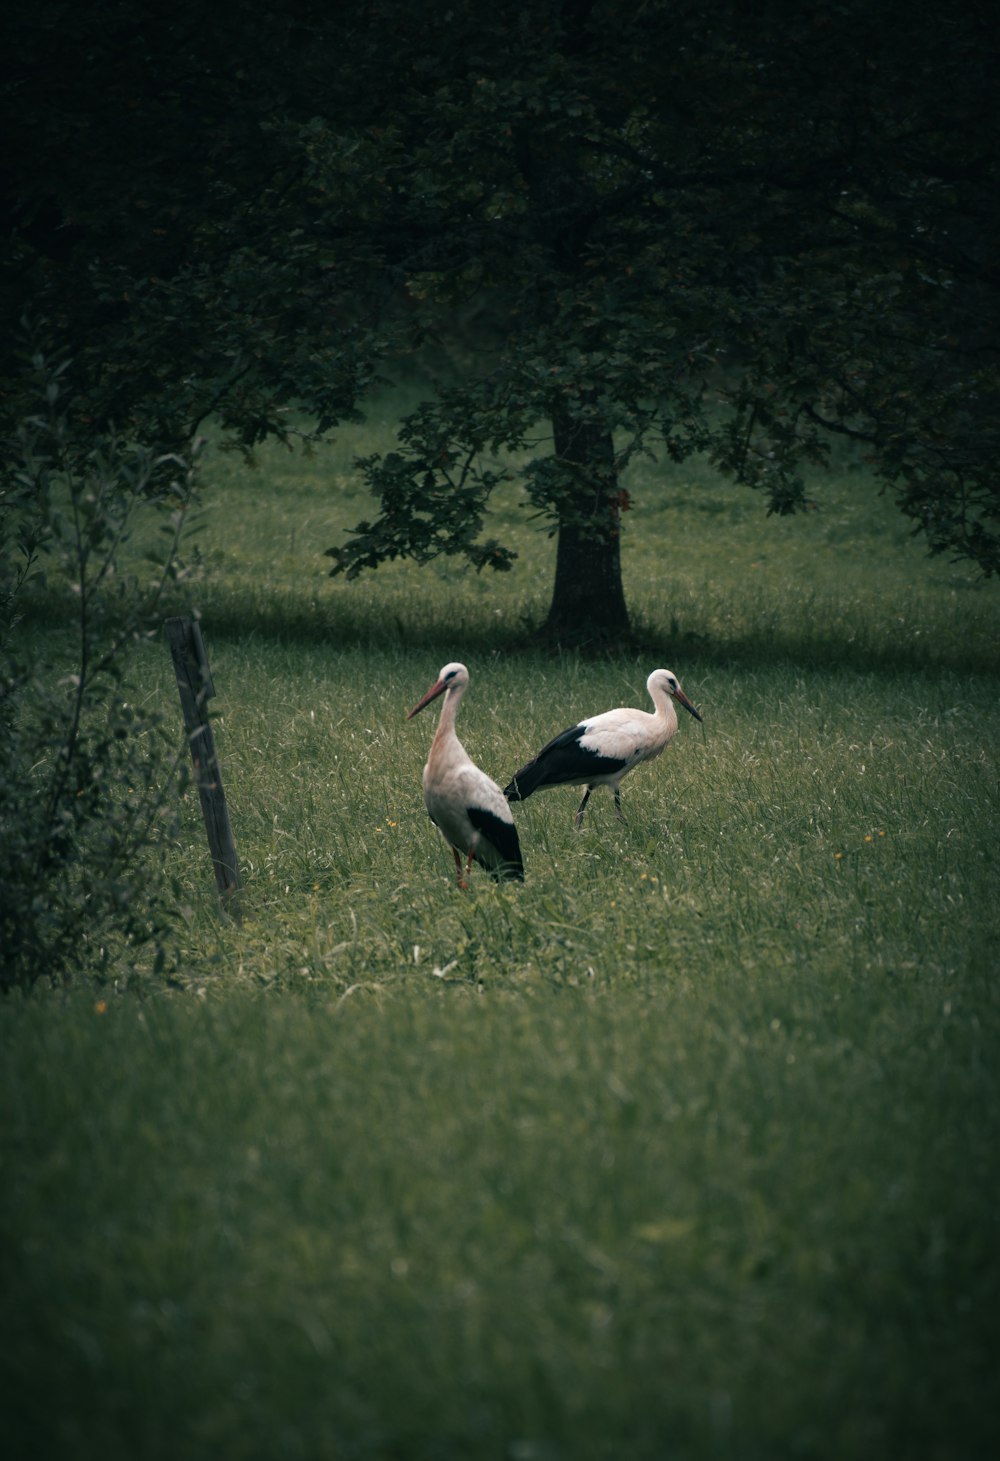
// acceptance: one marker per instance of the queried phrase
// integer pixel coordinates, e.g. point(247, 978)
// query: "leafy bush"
point(88, 779)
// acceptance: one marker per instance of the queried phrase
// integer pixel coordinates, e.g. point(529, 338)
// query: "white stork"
point(466, 807)
point(602, 750)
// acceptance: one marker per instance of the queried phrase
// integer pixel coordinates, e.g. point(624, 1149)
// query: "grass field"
point(686, 1148)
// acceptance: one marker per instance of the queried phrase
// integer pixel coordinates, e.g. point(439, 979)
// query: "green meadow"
point(686, 1148)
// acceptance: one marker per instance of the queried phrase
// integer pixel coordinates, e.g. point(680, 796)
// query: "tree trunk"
point(588, 600)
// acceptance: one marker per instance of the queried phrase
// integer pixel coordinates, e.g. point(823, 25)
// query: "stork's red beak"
point(438, 688)
point(678, 694)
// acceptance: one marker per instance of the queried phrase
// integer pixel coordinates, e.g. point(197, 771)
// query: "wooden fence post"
point(194, 684)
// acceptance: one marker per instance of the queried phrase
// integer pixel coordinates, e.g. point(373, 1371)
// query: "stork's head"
point(668, 681)
point(453, 676)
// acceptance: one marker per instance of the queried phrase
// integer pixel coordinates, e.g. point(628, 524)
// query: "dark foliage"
point(724, 229)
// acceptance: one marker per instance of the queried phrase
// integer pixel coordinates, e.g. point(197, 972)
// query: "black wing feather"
point(562, 762)
point(503, 837)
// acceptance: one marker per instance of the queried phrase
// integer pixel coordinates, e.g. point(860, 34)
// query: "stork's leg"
point(582, 807)
point(458, 867)
point(618, 804)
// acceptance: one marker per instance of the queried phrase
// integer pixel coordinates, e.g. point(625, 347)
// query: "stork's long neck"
point(445, 734)
point(665, 715)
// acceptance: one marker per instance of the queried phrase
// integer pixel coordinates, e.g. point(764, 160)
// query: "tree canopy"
point(692, 228)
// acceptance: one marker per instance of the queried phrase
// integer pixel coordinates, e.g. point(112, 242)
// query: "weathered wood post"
point(194, 684)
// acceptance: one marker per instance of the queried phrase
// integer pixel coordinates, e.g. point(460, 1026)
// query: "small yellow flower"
point(101, 1007)
point(881, 834)
point(838, 855)
point(392, 824)
point(868, 836)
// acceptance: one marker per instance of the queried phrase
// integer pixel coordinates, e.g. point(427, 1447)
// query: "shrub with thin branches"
point(88, 778)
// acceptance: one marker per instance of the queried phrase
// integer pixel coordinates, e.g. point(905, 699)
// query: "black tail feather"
point(524, 782)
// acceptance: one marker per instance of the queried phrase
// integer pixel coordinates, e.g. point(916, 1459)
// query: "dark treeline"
point(733, 230)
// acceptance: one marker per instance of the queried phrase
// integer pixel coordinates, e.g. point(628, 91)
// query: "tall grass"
point(684, 1148)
